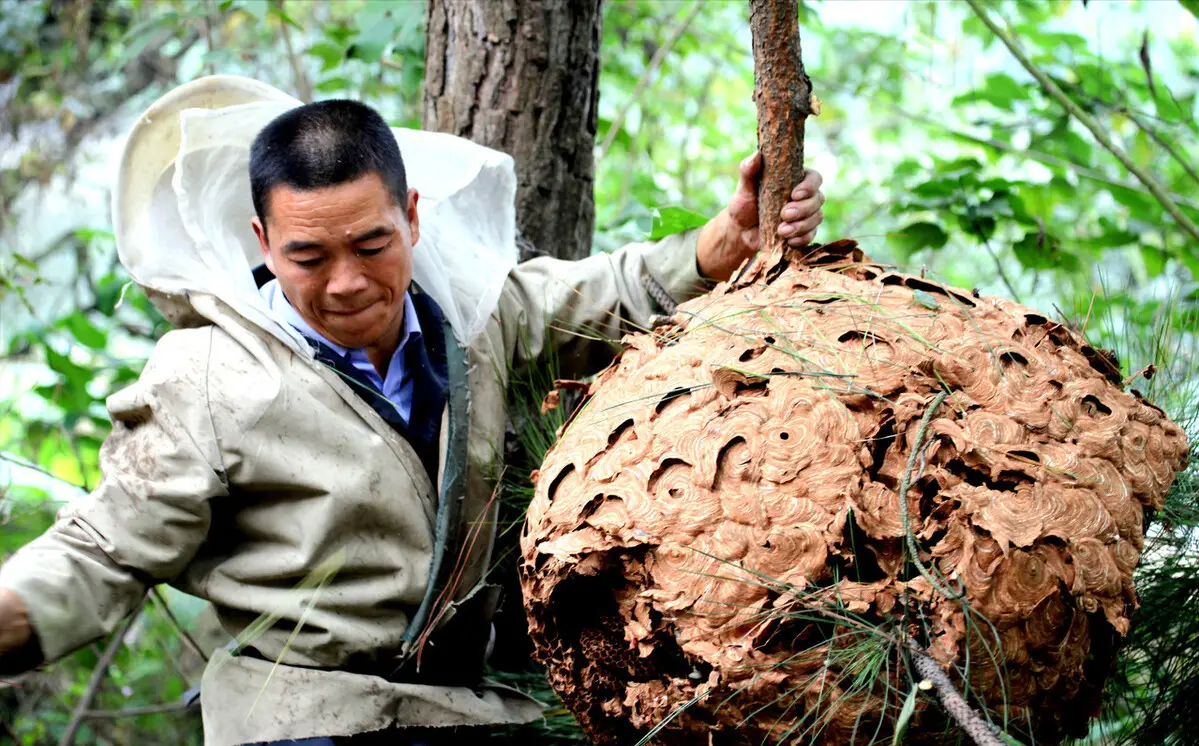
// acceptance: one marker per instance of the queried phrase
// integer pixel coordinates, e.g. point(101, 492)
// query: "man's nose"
point(347, 279)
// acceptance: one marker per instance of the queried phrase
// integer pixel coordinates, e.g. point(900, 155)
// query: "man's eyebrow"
point(373, 233)
point(292, 247)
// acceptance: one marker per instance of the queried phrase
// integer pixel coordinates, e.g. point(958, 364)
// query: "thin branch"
point(184, 635)
point(130, 712)
point(1002, 273)
point(953, 702)
point(643, 81)
point(300, 78)
point(1153, 133)
point(34, 467)
point(1036, 155)
point(98, 674)
point(904, 511)
point(1155, 188)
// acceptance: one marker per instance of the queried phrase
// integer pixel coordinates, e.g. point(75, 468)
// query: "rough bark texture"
point(783, 92)
point(727, 502)
point(521, 76)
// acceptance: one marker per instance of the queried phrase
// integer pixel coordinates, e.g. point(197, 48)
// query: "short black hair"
point(324, 144)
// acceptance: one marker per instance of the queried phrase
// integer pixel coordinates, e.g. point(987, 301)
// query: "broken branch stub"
point(782, 91)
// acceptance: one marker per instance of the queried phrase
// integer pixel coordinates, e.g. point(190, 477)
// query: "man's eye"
point(371, 252)
point(309, 263)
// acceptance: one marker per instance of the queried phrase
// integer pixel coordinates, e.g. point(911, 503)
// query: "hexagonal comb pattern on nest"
point(764, 434)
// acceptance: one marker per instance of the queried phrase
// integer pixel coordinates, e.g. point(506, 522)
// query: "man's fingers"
point(810, 185)
point(801, 227)
point(803, 240)
point(793, 211)
point(750, 168)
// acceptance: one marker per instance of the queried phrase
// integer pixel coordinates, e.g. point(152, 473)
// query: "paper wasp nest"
point(725, 503)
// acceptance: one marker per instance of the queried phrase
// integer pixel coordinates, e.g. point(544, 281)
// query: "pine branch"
point(98, 674)
point(1151, 183)
point(962, 713)
point(183, 634)
point(905, 513)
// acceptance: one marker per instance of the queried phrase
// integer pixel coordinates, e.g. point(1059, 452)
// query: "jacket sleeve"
point(579, 309)
point(160, 468)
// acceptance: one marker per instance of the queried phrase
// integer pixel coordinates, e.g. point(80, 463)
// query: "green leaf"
point(936, 188)
point(328, 53)
point(84, 331)
point(905, 716)
point(671, 220)
point(377, 28)
point(1154, 259)
point(1077, 147)
point(1191, 5)
point(87, 235)
point(25, 261)
point(917, 236)
point(329, 85)
point(74, 373)
point(284, 18)
point(1037, 250)
point(1000, 90)
point(1139, 203)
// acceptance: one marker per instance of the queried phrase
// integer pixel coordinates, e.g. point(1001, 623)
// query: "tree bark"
point(783, 94)
point(522, 76)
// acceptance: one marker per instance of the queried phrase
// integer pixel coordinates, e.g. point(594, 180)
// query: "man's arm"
point(552, 304)
point(160, 467)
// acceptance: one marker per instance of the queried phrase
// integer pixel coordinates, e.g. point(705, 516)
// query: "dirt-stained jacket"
point(246, 474)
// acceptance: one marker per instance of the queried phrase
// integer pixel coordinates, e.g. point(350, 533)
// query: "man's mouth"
point(355, 312)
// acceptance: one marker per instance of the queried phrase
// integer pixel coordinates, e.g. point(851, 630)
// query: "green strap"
point(453, 485)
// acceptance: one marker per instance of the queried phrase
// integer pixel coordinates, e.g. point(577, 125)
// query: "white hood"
point(182, 206)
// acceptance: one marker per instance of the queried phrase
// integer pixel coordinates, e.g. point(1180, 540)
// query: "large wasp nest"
point(718, 529)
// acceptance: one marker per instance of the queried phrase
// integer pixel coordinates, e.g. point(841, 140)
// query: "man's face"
point(343, 257)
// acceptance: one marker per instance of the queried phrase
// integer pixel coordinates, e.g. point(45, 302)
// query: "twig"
point(962, 713)
point(301, 82)
point(130, 712)
point(1155, 188)
point(1149, 130)
point(658, 58)
point(98, 674)
point(184, 635)
point(905, 485)
point(1002, 273)
point(34, 467)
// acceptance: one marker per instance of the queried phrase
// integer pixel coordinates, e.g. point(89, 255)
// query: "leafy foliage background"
point(939, 151)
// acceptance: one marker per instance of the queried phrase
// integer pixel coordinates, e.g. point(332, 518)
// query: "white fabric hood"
point(182, 206)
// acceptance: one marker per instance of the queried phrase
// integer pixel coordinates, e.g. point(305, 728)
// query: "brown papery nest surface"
point(717, 541)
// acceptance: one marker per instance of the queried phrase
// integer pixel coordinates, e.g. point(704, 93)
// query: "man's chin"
point(349, 340)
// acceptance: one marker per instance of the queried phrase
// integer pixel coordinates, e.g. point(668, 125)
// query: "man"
point(332, 498)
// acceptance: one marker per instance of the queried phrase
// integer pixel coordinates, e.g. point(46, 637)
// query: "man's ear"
point(260, 231)
point(413, 215)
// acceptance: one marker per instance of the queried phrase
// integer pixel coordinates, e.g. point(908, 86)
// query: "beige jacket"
point(242, 473)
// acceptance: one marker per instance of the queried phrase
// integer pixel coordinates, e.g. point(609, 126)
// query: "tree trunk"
point(522, 76)
point(783, 94)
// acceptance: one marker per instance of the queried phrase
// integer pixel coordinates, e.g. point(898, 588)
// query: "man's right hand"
point(15, 629)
